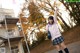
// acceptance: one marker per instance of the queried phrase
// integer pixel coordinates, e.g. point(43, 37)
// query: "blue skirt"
point(58, 40)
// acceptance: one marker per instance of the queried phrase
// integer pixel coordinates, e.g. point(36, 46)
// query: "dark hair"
point(51, 18)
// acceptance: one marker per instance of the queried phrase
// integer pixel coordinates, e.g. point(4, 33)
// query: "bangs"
point(51, 18)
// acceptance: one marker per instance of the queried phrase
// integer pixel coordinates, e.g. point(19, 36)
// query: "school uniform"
point(56, 36)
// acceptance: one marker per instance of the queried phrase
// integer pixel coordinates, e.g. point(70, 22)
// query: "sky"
point(16, 5)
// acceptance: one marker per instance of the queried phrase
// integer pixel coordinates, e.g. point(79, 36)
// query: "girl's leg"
point(64, 47)
point(58, 48)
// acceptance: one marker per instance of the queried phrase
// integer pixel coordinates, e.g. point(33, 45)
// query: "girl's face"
point(50, 21)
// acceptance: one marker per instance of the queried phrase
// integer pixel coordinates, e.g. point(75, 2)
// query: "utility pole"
point(7, 35)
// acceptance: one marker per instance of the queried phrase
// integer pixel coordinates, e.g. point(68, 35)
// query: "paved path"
point(73, 48)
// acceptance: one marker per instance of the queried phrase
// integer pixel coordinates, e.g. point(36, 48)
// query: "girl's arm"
point(55, 16)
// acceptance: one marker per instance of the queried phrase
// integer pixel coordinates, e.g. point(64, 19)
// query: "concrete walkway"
point(73, 48)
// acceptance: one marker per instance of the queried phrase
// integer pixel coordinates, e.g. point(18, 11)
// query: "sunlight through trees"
point(35, 13)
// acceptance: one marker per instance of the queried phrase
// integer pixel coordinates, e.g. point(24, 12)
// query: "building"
point(10, 38)
point(8, 12)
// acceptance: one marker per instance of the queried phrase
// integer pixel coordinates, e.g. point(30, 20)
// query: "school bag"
point(49, 34)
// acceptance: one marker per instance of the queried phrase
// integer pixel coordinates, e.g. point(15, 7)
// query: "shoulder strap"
point(48, 27)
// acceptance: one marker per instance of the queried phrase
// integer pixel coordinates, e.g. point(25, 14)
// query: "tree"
point(47, 6)
point(35, 15)
point(75, 10)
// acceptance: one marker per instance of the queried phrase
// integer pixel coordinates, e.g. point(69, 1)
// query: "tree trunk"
point(64, 22)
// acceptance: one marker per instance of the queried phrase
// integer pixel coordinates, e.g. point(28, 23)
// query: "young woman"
point(56, 37)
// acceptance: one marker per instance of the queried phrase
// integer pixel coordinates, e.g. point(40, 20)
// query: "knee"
point(57, 47)
point(63, 45)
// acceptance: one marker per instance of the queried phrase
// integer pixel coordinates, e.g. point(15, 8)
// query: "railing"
point(10, 34)
point(13, 33)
